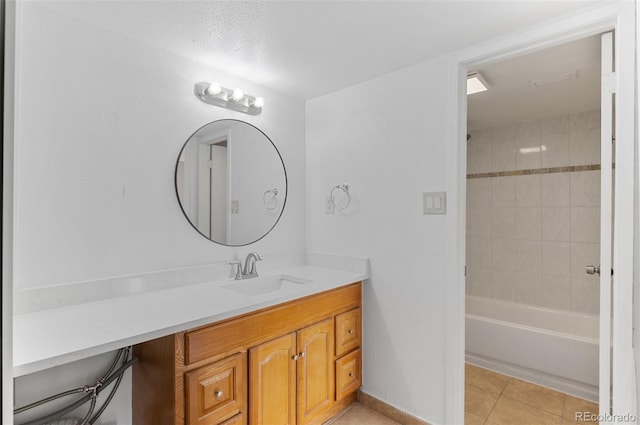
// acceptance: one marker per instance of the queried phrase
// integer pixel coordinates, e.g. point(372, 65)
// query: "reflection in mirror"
point(231, 182)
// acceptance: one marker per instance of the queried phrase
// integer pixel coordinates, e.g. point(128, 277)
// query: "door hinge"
point(465, 270)
point(210, 164)
point(610, 83)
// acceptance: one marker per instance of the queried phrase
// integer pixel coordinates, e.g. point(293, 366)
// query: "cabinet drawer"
point(348, 374)
point(348, 331)
point(217, 391)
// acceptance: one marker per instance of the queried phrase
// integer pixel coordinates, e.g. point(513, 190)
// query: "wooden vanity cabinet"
point(295, 363)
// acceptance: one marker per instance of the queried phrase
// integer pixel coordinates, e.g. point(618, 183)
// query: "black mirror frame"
point(286, 184)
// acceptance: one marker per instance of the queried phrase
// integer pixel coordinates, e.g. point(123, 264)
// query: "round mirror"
point(231, 182)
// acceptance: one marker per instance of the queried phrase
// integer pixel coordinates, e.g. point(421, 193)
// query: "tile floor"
point(358, 414)
point(494, 399)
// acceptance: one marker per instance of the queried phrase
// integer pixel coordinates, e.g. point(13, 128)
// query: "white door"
point(219, 185)
point(606, 220)
point(203, 197)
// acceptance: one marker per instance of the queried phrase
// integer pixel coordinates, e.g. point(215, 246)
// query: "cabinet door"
point(272, 382)
point(217, 391)
point(315, 370)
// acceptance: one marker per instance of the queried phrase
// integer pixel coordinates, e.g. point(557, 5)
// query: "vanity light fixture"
point(476, 83)
point(236, 99)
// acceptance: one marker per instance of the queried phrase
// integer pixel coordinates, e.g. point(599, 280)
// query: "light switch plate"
point(434, 203)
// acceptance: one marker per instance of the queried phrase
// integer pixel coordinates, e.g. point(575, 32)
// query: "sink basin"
point(264, 285)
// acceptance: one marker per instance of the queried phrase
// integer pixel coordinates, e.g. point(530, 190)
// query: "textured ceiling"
point(511, 99)
point(310, 48)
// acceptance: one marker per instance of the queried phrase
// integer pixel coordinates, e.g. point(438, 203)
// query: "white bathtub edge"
point(533, 328)
point(567, 386)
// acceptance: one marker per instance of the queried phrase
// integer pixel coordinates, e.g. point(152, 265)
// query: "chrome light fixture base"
point(224, 98)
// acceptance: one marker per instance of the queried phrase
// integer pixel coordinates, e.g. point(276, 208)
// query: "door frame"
point(9, 16)
point(618, 17)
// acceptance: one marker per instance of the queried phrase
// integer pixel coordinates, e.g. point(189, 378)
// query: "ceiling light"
point(236, 100)
point(476, 83)
point(554, 79)
point(533, 149)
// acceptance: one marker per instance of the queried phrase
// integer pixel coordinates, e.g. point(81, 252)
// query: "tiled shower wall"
point(533, 212)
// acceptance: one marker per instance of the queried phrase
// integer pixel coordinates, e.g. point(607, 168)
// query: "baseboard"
point(337, 410)
point(389, 411)
point(567, 386)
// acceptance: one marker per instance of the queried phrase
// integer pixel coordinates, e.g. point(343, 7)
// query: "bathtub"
point(554, 348)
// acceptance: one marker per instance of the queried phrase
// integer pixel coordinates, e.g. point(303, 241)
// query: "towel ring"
point(344, 188)
point(270, 202)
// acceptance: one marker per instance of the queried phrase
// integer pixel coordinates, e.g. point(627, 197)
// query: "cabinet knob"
point(294, 357)
point(350, 374)
point(218, 393)
point(301, 354)
point(350, 331)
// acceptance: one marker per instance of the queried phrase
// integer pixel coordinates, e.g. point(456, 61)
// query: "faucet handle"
point(238, 271)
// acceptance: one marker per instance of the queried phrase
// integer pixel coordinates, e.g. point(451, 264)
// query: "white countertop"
point(51, 337)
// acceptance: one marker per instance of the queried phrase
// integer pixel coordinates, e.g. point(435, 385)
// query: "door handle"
point(593, 269)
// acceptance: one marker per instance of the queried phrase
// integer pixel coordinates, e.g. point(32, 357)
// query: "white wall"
point(102, 119)
point(388, 139)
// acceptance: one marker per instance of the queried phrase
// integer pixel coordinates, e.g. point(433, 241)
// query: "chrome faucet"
point(250, 265)
point(249, 269)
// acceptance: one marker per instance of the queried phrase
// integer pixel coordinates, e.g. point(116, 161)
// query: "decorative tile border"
point(552, 170)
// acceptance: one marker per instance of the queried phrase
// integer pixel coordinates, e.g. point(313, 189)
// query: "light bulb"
point(214, 88)
point(237, 95)
point(258, 102)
